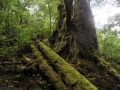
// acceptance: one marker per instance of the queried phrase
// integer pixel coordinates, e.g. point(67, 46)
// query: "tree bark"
point(75, 35)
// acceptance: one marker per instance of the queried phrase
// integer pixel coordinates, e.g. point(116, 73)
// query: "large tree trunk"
point(75, 35)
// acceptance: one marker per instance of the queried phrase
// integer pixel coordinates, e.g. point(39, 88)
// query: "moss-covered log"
point(73, 79)
point(59, 72)
point(53, 77)
point(109, 67)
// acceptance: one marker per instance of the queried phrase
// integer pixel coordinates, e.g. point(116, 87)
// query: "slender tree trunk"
point(49, 8)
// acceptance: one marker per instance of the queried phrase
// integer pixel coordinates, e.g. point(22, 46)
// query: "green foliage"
point(11, 25)
point(109, 45)
point(23, 20)
point(115, 20)
point(109, 40)
point(44, 16)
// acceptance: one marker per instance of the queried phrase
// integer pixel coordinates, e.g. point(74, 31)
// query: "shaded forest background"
point(24, 20)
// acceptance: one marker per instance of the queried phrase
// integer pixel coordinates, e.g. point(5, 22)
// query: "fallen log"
point(47, 70)
point(73, 79)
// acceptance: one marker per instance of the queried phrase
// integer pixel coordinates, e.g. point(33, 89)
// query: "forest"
point(57, 45)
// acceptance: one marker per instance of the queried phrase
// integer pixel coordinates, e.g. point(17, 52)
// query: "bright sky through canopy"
point(101, 14)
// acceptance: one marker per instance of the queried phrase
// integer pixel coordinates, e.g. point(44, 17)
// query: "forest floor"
point(98, 75)
point(21, 80)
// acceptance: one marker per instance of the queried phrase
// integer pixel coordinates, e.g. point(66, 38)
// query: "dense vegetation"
point(23, 21)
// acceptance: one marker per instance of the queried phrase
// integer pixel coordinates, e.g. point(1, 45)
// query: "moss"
point(109, 67)
point(70, 75)
point(92, 79)
point(64, 20)
point(48, 71)
point(75, 58)
point(106, 85)
point(60, 46)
